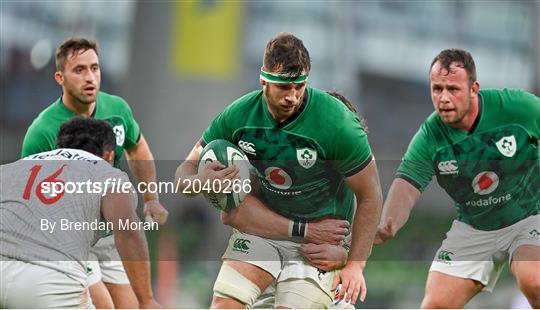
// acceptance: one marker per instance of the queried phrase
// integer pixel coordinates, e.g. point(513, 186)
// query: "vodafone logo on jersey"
point(278, 178)
point(485, 182)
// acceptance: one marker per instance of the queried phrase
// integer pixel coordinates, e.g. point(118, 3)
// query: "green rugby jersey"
point(491, 172)
point(302, 162)
point(41, 135)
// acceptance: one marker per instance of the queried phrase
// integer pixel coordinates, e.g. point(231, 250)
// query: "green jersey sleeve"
point(218, 129)
point(133, 131)
point(417, 166)
point(351, 150)
point(527, 107)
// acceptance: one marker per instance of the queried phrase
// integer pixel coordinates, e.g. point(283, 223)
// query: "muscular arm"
point(141, 163)
point(367, 189)
point(131, 245)
point(249, 215)
point(366, 186)
point(400, 200)
point(187, 170)
point(255, 218)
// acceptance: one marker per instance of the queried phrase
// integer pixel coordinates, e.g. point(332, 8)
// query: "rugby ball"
point(225, 195)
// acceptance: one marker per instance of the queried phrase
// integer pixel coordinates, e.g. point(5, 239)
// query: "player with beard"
point(313, 162)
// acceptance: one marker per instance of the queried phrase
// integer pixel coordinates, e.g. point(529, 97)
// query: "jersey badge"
point(306, 157)
point(120, 134)
point(507, 146)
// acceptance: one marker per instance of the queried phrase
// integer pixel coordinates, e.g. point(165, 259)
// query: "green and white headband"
point(282, 78)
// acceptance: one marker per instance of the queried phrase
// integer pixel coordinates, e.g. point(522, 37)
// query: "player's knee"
point(122, 296)
point(530, 286)
point(230, 284)
point(435, 301)
point(101, 297)
point(225, 303)
point(298, 294)
point(431, 303)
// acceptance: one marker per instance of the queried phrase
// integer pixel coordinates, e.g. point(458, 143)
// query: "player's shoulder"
point(432, 121)
point(509, 98)
point(110, 97)
point(504, 93)
point(326, 102)
point(328, 108)
point(240, 108)
point(511, 102)
point(112, 101)
point(67, 154)
point(48, 121)
point(50, 113)
point(432, 128)
point(80, 162)
point(247, 101)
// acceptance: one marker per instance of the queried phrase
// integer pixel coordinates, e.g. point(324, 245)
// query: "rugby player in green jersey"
point(78, 72)
point(313, 162)
point(325, 254)
point(482, 146)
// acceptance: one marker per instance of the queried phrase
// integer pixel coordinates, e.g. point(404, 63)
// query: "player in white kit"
point(48, 227)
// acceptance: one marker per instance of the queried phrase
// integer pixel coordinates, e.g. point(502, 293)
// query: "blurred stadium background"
point(179, 63)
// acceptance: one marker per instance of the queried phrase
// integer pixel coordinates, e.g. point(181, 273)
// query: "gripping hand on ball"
point(217, 171)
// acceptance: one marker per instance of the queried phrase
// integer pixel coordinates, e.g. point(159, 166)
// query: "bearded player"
point(313, 162)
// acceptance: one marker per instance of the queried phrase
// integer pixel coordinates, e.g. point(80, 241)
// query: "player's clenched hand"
point(353, 284)
point(326, 257)
point(331, 231)
point(385, 232)
point(217, 171)
point(154, 210)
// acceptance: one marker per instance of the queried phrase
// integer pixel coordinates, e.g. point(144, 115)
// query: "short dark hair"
point(349, 105)
point(462, 57)
point(70, 46)
point(287, 54)
point(87, 134)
